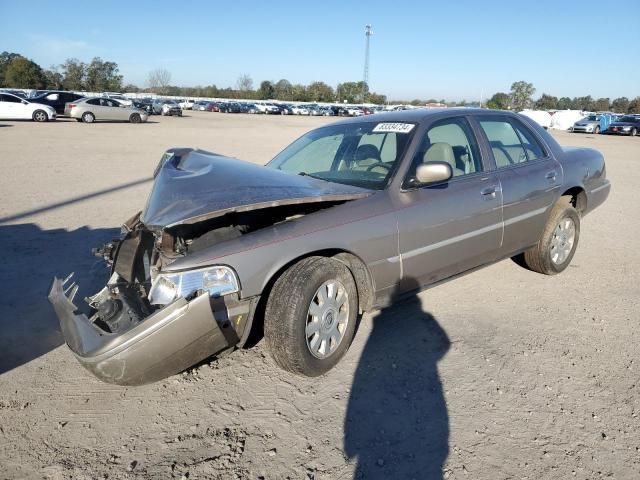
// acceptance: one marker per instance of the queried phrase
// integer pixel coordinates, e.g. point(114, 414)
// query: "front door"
point(448, 228)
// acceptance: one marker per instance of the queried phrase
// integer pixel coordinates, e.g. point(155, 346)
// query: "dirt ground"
point(501, 374)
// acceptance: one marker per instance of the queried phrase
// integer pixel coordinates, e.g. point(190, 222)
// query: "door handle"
point(489, 191)
point(551, 175)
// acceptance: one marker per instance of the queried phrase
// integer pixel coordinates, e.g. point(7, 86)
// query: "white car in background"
point(186, 104)
point(16, 108)
point(299, 110)
point(355, 112)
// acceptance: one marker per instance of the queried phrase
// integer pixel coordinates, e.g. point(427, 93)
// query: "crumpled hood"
point(193, 185)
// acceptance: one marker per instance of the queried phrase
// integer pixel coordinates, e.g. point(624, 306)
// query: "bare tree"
point(159, 79)
point(244, 83)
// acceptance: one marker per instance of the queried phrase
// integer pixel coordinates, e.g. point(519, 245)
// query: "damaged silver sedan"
point(345, 220)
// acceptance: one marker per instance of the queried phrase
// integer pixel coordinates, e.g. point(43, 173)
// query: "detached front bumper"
point(163, 344)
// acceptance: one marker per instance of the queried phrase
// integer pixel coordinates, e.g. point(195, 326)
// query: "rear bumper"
point(165, 343)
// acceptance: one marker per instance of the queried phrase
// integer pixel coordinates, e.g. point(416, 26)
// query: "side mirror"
point(433, 172)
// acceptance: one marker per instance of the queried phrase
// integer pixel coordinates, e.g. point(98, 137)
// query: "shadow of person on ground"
point(29, 327)
point(397, 424)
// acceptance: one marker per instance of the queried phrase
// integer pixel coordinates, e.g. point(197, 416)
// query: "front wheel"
point(634, 132)
point(310, 316)
point(559, 240)
point(40, 116)
point(596, 130)
point(135, 118)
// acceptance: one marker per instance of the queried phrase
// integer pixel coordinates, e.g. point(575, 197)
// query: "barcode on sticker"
point(393, 128)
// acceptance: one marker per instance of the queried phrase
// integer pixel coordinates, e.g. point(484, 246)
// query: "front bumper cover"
point(163, 344)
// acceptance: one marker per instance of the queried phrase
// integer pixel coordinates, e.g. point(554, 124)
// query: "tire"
point(596, 130)
point(293, 334)
point(135, 118)
point(633, 132)
point(88, 117)
point(40, 116)
point(559, 240)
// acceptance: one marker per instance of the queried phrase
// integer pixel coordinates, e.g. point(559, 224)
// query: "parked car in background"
point(165, 106)
point(354, 111)
point(18, 93)
point(145, 104)
point(186, 104)
point(13, 107)
point(200, 105)
point(120, 98)
point(91, 109)
point(589, 124)
point(285, 109)
point(56, 99)
point(234, 107)
point(321, 234)
point(627, 125)
point(300, 110)
point(251, 108)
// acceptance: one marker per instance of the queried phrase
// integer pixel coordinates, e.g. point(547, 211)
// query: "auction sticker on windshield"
point(393, 128)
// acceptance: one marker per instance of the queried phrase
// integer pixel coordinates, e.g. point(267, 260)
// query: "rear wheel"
point(310, 316)
point(559, 240)
point(135, 118)
point(40, 116)
point(88, 117)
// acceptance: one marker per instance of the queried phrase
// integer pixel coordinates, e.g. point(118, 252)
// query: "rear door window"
point(510, 143)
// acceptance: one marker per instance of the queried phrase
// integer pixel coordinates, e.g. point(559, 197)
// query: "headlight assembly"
point(216, 281)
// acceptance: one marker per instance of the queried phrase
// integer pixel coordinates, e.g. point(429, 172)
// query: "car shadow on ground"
point(32, 257)
point(397, 424)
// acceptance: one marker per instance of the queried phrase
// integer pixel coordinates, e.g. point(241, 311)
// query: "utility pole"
point(368, 31)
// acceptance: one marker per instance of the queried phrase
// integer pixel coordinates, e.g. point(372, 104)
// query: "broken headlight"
point(216, 281)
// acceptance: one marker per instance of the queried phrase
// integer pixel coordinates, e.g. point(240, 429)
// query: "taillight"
point(72, 105)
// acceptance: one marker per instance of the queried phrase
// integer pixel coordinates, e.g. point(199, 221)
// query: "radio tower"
point(368, 31)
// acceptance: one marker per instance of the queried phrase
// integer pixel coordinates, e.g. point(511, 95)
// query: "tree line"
point(100, 75)
point(521, 97)
point(159, 81)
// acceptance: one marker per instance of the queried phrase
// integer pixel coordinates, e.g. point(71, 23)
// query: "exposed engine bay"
point(137, 258)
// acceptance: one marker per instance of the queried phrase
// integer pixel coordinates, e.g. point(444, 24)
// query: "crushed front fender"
point(165, 343)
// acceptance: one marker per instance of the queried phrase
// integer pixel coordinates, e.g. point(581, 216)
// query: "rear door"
point(529, 175)
point(451, 227)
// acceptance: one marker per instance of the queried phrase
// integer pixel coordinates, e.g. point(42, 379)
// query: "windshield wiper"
point(305, 174)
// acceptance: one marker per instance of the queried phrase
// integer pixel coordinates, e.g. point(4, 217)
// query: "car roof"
point(419, 115)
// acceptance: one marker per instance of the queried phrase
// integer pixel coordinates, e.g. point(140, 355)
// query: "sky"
point(451, 50)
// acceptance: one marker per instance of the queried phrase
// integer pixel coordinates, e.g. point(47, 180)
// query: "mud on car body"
point(335, 225)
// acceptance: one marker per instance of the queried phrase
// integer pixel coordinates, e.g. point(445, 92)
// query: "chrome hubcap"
point(327, 319)
point(562, 242)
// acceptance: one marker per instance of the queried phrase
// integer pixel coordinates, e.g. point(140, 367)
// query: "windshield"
point(592, 118)
point(359, 154)
point(628, 119)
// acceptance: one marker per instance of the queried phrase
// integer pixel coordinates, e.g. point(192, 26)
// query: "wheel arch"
point(362, 276)
point(578, 199)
